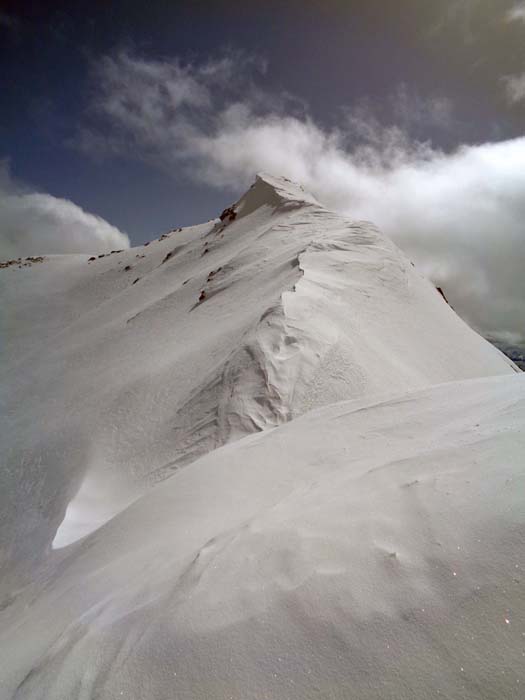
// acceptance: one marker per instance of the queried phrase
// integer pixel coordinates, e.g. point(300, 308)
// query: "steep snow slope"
point(370, 548)
point(360, 551)
point(118, 370)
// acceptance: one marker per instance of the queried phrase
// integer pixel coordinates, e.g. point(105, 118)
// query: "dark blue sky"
point(330, 54)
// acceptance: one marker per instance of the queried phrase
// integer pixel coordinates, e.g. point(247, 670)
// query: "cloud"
point(516, 13)
point(515, 87)
point(458, 15)
point(159, 108)
point(459, 215)
point(32, 223)
point(411, 109)
point(515, 84)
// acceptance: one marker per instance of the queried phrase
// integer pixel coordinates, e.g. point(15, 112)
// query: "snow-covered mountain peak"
point(272, 192)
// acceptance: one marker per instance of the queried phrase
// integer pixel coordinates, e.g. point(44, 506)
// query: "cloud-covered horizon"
point(35, 223)
point(458, 215)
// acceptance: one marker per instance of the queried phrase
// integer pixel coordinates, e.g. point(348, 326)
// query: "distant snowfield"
point(325, 468)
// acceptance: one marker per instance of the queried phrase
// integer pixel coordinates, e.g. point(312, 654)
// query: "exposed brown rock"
point(229, 214)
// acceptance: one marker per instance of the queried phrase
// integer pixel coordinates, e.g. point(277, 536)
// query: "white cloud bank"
point(461, 216)
point(39, 224)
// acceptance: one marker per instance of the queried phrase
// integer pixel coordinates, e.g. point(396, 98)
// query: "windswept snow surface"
point(370, 548)
point(357, 552)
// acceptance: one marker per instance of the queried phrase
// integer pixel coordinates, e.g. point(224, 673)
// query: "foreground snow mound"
point(117, 370)
point(361, 551)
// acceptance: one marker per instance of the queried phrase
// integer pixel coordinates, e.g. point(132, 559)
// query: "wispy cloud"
point(459, 215)
point(515, 84)
point(458, 15)
point(33, 223)
point(516, 13)
point(410, 108)
point(515, 87)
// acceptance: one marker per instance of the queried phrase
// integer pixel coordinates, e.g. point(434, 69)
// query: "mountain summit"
point(281, 564)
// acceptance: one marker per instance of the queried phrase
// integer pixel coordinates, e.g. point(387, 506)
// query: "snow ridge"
point(346, 519)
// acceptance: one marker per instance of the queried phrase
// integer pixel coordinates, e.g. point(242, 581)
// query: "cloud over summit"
point(460, 215)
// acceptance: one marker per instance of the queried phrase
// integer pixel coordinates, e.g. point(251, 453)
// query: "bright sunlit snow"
point(260, 457)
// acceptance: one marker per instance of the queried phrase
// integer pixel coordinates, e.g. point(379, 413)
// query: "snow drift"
point(367, 548)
